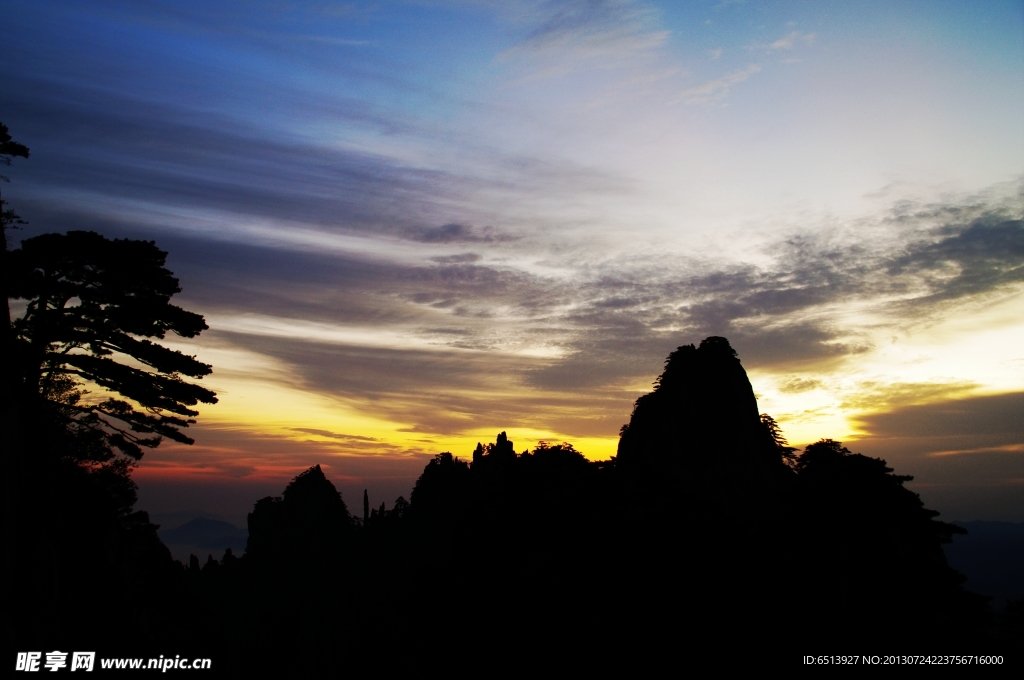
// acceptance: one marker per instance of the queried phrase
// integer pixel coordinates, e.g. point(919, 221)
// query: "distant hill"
point(207, 534)
point(173, 520)
point(991, 555)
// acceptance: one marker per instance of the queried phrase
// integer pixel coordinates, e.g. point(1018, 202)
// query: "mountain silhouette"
point(699, 534)
point(308, 522)
point(699, 437)
point(704, 532)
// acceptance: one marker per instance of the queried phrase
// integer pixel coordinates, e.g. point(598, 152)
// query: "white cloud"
point(717, 89)
point(786, 42)
point(584, 30)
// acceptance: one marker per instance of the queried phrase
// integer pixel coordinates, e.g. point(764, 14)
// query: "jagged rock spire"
point(700, 427)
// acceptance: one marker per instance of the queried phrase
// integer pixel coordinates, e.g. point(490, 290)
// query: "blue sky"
point(411, 225)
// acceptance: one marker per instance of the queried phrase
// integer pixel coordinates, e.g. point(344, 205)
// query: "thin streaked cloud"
point(715, 90)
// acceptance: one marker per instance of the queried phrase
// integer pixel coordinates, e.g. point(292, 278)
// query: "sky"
point(412, 225)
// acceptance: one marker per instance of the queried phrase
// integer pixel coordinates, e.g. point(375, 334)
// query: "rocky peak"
point(700, 426)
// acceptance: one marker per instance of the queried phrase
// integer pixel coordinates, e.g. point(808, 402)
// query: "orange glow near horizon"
point(279, 425)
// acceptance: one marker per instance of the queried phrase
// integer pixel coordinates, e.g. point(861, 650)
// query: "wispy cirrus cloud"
point(458, 233)
point(459, 340)
point(717, 89)
point(334, 435)
point(786, 42)
point(585, 29)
